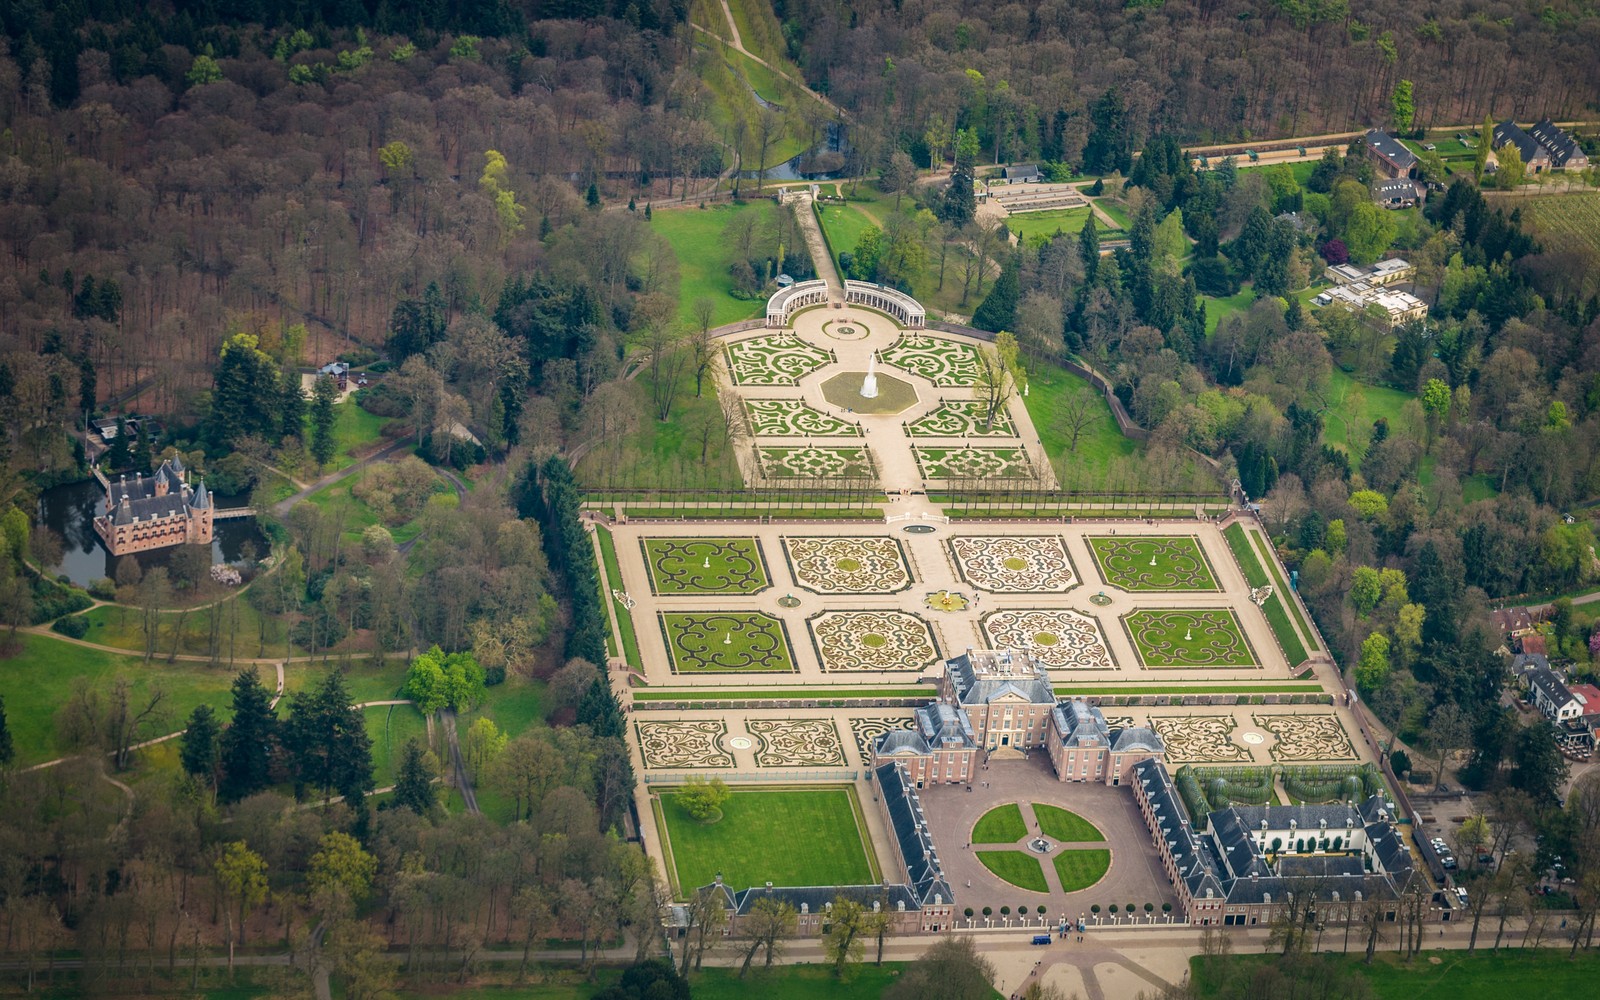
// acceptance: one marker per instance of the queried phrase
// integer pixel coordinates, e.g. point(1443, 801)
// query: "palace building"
point(1000, 703)
point(154, 512)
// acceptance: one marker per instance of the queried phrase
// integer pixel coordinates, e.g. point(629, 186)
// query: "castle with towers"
point(153, 512)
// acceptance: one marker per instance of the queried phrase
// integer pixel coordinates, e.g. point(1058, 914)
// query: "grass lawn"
point(1081, 869)
point(355, 431)
point(1245, 554)
point(515, 706)
point(696, 236)
point(1000, 825)
point(1478, 487)
point(843, 226)
point(1113, 209)
point(1570, 223)
point(726, 642)
point(1290, 688)
point(1019, 868)
point(1049, 389)
point(1065, 826)
point(1484, 975)
point(363, 679)
point(1152, 563)
point(789, 837)
point(389, 726)
point(354, 516)
point(1219, 309)
point(1281, 587)
point(781, 982)
point(821, 693)
point(1048, 223)
point(1189, 637)
point(40, 678)
point(705, 565)
point(613, 574)
point(1358, 405)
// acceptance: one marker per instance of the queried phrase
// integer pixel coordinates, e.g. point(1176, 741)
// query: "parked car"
point(1042, 939)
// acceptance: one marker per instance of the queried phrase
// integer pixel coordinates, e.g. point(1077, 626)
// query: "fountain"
point(869, 385)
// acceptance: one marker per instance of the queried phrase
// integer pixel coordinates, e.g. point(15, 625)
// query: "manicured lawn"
point(1294, 650)
point(1113, 209)
point(781, 982)
point(726, 642)
point(1152, 563)
point(613, 573)
point(1065, 826)
point(1483, 975)
point(389, 726)
point(515, 706)
point(1281, 587)
point(697, 240)
point(1306, 688)
point(363, 679)
point(1219, 309)
point(1099, 443)
point(1000, 825)
point(40, 678)
point(843, 226)
point(705, 565)
point(1048, 223)
point(819, 693)
point(1017, 867)
point(789, 837)
point(1189, 637)
point(1081, 869)
point(355, 432)
point(1356, 404)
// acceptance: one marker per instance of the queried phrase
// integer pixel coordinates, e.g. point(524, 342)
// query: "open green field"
point(1569, 223)
point(355, 432)
point(843, 226)
point(1435, 975)
point(1247, 556)
point(781, 982)
point(696, 236)
point(1049, 389)
point(1019, 868)
point(1358, 405)
point(1064, 825)
point(354, 515)
point(705, 565)
point(726, 642)
point(1152, 563)
point(389, 726)
point(40, 679)
point(1218, 310)
point(789, 837)
point(1189, 637)
point(1049, 222)
point(1000, 825)
point(1081, 869)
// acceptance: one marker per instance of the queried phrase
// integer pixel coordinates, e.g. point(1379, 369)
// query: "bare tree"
point(769, 923)
point(707, 914)
point(769, 126)
point(1075, 414)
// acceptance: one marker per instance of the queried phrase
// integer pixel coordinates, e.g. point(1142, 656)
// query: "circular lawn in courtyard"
point(1065, 826)
point(1000, 825)
point(1017, 867)
point(1081, 869)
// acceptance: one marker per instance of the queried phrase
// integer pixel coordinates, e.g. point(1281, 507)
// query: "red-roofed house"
point(1534, 643)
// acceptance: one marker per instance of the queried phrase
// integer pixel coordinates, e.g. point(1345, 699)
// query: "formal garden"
point(1080, 868)
point(1064, 825)
point(798, 836)
point(774, 359)
point(873, 640)
point(1020, 868)
point(848, 565)
point(795, 418)
point(726, 642)
point(1197, 637)
point(962, 418)
point(1058, 639)
point(968, 462)
point(945, 363)
point(1152, 563)
point(1015, 564)
point(815, 463)
point(705, 565)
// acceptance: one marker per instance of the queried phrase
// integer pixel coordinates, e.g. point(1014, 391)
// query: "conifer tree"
point(198, 748)
point(249, 741)
point(327, 743)
point(323, 393)
point(413, 785)
point(8, 752)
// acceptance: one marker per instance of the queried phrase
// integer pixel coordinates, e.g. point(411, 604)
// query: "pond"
point(822, 162)
point(69, 511)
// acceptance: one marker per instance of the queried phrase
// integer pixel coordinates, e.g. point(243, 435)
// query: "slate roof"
point(1400, 187)
point(1549, 685)
point(1081, 725)
point(136, 499)
point(1391, 149)
point(815, 899)
point(1310, 817)
point(1137, 738)
point(1530, 148)
point(1562, 147)
point(923, 870)
point(982, 677)
point(1196, 867)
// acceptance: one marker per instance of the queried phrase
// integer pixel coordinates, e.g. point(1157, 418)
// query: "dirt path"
point(737, 44)
point(463, 781)
point(820, 257)
point(287, 504)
